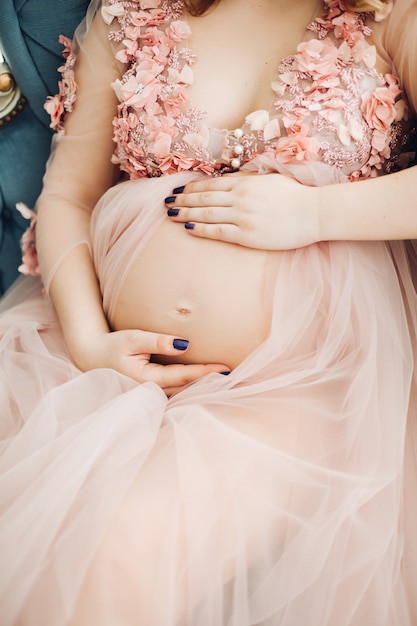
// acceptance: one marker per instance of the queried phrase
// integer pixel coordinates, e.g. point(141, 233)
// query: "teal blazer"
point(29, 31)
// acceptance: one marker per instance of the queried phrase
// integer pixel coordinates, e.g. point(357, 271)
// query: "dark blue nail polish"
point(172, 212)
point(189, 225)
point(178, 189)
point(180, 344)
point(225, 373)
point(170, 200)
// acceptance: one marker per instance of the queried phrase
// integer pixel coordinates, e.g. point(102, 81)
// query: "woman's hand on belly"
point(130, 353)
point(265, 212)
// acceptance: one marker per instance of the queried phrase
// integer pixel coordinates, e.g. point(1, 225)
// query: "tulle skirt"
point(281, 495)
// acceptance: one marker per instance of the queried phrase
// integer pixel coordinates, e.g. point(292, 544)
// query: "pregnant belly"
point(216, 295)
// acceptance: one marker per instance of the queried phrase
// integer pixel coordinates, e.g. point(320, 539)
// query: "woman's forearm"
point(77, 300)
point(67, 268)
point(374, 209)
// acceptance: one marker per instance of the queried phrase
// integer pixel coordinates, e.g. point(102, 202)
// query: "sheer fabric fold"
point(399, 43)
point(272, 496)
point(82, 152)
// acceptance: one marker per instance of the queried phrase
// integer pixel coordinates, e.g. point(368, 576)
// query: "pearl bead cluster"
point(237, 149)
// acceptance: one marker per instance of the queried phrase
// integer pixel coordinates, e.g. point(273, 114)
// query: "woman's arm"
point(79, 171)
point(274, 212)
point(383, 208)
point(277, 213)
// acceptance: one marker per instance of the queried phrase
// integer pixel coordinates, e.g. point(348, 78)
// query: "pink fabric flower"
point(285, 79)
point(297, 147)
point(379, 140)
point(128, 52)
point(363, 52)
point(160, 130)
point(162, 144)
point(294, 118)
point(331, 98)
point(153, 37)
point(30, 264)
point(178, 30)
point(200, 139)
point(138, 19)
point(186, 75)
point(317, 58)
point(346, 28)
point(331, 116)
point(122, 128)
point(378, 108)
point(322, 83)
point(183, 162)
point(393, 85)
point(260, 121)
point(174, 101)
point(336, 7)
point(141, 90)
point(206, 168)
point(154, 17)
point(158, 53)
point(110, 12)
point(68, 88)
point(54, 106)
point(68, 46)
point(272, 130)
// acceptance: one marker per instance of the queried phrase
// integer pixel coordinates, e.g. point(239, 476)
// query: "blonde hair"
point(361, 6)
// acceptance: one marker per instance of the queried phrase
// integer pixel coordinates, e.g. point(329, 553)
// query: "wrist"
point(319, 207)
point(311, 209)
point(329, 212)
point(86, 349)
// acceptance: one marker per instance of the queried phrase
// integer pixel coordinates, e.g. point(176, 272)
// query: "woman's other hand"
point(267, 212)
point(130, 353)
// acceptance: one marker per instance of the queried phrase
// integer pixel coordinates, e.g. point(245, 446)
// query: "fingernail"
point(180, 344)
point(189, 225)
point(172, 212)
point(226, 373)
point(170, 200)
point(178, 189)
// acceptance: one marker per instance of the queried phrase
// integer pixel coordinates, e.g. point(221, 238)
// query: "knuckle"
point(242, 184)
point(243, 189)
point(184, 377)
point(203, 198)
point(130, 339)
point(219, 231)
point(143, 377)
point(243, 197)
point(160, 344)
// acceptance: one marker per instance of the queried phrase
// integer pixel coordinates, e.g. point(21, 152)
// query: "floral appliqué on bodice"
point(330, 103)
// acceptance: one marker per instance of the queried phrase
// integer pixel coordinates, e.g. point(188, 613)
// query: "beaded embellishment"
point(330, 103)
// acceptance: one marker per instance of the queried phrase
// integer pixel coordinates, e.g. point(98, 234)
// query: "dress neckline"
point(308, 28)
point(322, 106)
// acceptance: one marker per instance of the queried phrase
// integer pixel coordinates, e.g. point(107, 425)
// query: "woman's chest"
point(186, 107)
point(238, 54)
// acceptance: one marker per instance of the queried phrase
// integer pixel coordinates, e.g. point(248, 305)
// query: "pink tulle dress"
point(284, 494)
